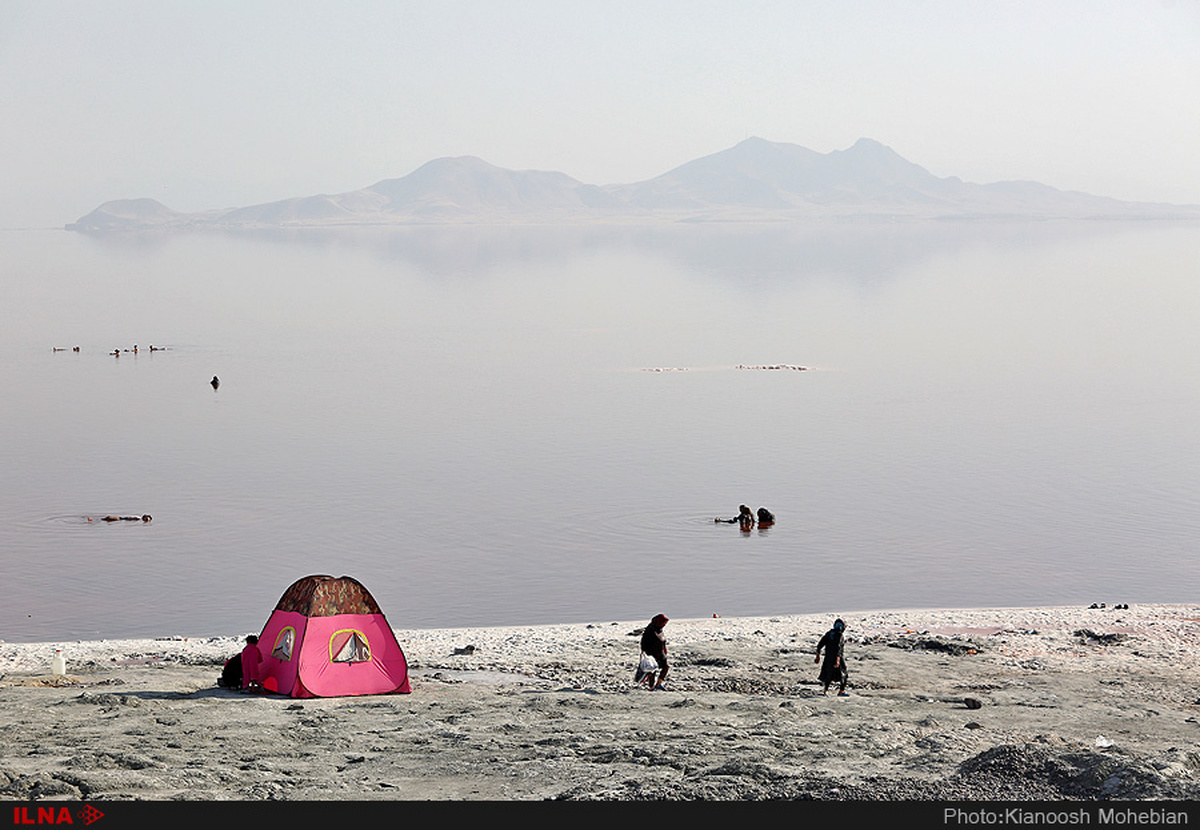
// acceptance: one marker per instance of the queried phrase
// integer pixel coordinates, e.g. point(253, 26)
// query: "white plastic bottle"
point(58, 665)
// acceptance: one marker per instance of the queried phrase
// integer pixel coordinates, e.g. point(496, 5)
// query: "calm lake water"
point(466, 420)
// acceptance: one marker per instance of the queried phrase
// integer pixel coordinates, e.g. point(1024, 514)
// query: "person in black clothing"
point(765, 517)
point(834, 667)
point(744, 517)
point(654, 646)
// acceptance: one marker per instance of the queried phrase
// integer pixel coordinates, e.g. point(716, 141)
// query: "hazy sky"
point(217, 103)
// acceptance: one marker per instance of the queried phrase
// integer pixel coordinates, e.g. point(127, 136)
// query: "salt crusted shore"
point(1055, 704)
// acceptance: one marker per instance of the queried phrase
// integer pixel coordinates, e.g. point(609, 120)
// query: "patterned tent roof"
point(326, 596)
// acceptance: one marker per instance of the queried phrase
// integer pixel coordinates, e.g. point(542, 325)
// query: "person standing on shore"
point(654, 648)
point(251, 658)
point(834, 667)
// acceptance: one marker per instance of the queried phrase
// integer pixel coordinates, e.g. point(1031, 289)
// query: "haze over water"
point(465, 419)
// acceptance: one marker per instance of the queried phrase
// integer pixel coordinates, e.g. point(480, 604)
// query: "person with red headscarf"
point(653, 665)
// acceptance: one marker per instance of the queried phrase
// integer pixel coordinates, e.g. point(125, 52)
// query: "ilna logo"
point(55, 815)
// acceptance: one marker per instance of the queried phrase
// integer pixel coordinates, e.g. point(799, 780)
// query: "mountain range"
point(753, 181)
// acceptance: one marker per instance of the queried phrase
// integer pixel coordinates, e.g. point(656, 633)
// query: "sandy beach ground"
point(1072, 704)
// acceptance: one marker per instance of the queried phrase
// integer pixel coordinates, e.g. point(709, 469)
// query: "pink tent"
point(327, 638)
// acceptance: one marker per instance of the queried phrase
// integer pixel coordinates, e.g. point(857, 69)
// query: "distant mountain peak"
point(120, 213)
point(875, 151)
point(865, 144)
point(755, 141)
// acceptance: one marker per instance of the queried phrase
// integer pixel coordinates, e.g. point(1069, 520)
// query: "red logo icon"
point(55, 815)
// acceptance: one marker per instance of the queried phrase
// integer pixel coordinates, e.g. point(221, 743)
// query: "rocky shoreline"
point(1050, 704)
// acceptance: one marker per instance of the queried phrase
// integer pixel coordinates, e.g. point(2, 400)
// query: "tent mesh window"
point(283, 644)
point(349, 647)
